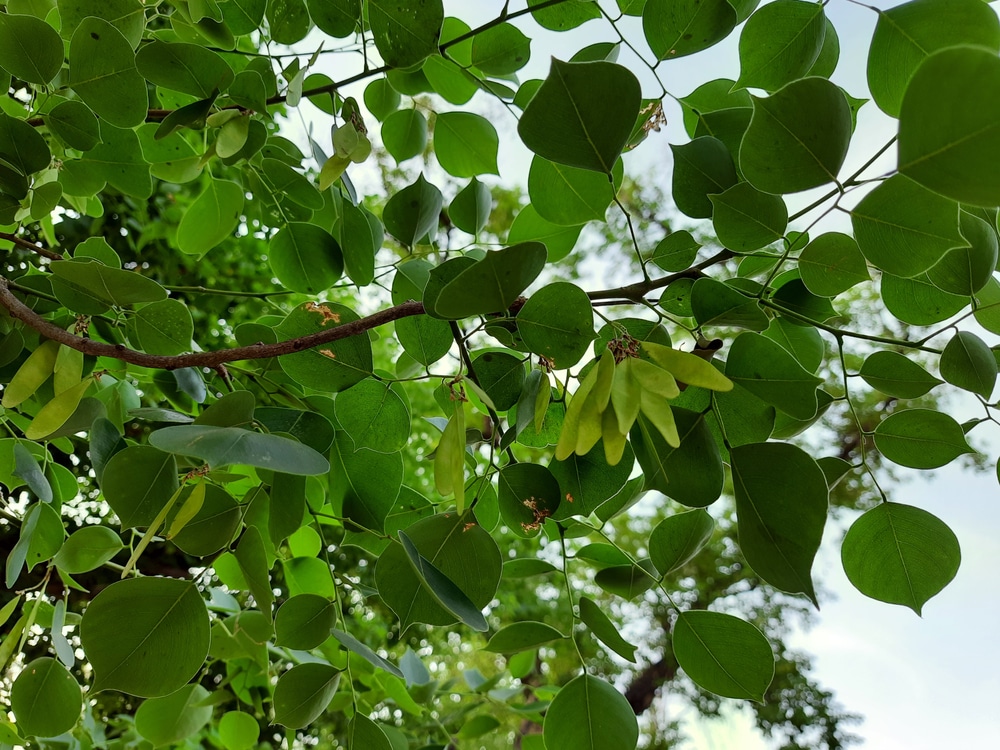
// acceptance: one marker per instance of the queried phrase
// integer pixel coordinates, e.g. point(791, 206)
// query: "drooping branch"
point(22, 312)
point(28, 245)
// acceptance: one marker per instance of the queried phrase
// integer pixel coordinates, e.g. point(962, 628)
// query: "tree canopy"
point(334, 438)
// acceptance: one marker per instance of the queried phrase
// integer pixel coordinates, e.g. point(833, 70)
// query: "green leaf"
point(30, 49)
point(164, 645)
point(907, 34)
point(780, 43)
point(469, 557)
point(529, 226)
point(501, 376)
point(465, 144)
point(587, 482)
point(564, 16)
point(589, 714)
point(188, 68)
point(675, 28)
point(676, 251)
point(917, 301)
point(332, 367)
point(361, 238)
point(45, 699)
point(365, 734)
point(582, 115)
point(831, 264)
point(381, 99)
point(175, 717)
point(306, 258)
point(470, 209)
point(211, 218)
point(405, 34)
point(22, 152)
point(557, 322)
point(493, 283)
point(714, 96)
point(103, 74)
point(949, 132)
point(678, 538)
point(966, 270)
point(163, 327)
point(448, 79)
point(125, 15)
point(781, 505)
point(303, 693)
point(904, 228)
point(604, 630)
point(253, 561)
point(138, 482)
point(717, 304)
point(968, 363)
point(112, 285)
point(798, 137)
point(569, 196)
point(522, 636)
point(287, 20)
point(692, 474)
point(404, 134)
point(223, 446)
point(238, 730)
point(443, 589)
point(724, 654)
point(897, 375)
point(338, 18)
point(213, 526)
point(352, 644)
point(375, 415)
point(528, 494)
point(304, 621)
point(75, 124)
point(768, 371)
point(87, 549)
point(701, 167)
point(626, 581)
point(900, 554)
point(26, 467)
point(747, 219)
point(413, 212)
point(422, 337)
point(501, 50)
point(920, 439)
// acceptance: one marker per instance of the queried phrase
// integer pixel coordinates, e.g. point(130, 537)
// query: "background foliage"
point(336, 440)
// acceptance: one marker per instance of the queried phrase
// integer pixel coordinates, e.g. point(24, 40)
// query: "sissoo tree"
point(269, 440)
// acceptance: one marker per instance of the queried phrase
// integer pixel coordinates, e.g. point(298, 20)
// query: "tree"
point(270, 435)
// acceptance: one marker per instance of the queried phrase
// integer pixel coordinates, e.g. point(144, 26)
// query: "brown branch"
point(642, 690)
point(21, 242)
point(636, 292)
point(22, 312)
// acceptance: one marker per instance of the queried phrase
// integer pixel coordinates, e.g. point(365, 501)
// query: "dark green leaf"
point(529, 226)
point(557, 322)
point(211, 218)
point(522, 636)
point(582, 115)
point(493, 283)
point(781, 504)
point(702, 167)
point(528, 494)
point(675, 28)
point(470, 210)
point(569, 196)
point(921, 439)
point(102, 72)
point(501, 50)
point(405, 33)
point(906, 34)
point(772, 374)
point(137, 483)
point(304, 621)
point(375, 415)
point(747, 219)
point(678, 538)
point(832, 263)
point(164, 645)
point(604, 630)
point(332, 367)
point(412, 213)
point(45, 698)
point(724, 654)
point(589, 714)
point(306, 258)
point(798, 137)
point(917, 301)
point(716, 304)
point(404, 134)
point(780, 43)
point(189, 68)
point(968, 363)
point(949, 124)
point(30, 49)
point(966, 270)
point(900, 554)
point(897, 375)
point(302, 694)
point(692, 474)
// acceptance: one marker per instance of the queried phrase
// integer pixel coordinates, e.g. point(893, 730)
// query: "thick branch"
point(22, 312)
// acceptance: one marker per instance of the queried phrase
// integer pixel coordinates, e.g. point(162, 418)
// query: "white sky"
point(930, 682)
